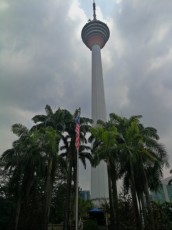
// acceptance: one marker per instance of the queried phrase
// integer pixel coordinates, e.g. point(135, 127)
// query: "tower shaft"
point(99, 183)
point(98, 98)
point(95, 34)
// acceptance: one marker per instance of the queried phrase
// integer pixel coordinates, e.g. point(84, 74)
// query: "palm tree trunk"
point(66, 225)
point(18, 205)
point(151, 218)
point(18, 208)
point(112, 215)
point(140, 196)
point(115, 195)
point(30, 184)
point(134, 197)
point(47, 200)
point(143, 209)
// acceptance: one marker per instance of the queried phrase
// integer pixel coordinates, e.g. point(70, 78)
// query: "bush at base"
point(90, 225)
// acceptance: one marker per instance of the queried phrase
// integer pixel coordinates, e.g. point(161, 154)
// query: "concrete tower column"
point(98, 98)
point(99, 183)
point(95, 34)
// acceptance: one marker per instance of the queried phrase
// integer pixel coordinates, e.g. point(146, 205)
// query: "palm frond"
point(48, 110)
point(19, 129)
point(39, 118)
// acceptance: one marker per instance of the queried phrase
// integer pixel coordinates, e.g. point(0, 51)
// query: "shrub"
point(90, 225)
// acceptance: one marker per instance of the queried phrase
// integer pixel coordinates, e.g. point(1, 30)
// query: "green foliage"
point(6, 211)
point(132, 152)
point(90, 225)
point(58, 204)
point(163, 215)
point(38, 179)
point(84, 206)
point(38, 173)
point(126, 213)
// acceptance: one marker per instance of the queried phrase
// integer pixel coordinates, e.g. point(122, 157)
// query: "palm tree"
point(129, 160)
point(48, 141)
point(64, 123)
point(20, 163)
point(153, 158)
point(58, 120)
point(105, 148)
point(137, 155)
point(34, 155)
point(69, 151)
point(140, 153)
point(13, 159)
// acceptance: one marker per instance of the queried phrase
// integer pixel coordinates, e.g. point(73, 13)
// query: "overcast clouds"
point(43, 61)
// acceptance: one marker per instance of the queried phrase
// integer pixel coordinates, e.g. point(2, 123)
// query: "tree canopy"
point(39, 171)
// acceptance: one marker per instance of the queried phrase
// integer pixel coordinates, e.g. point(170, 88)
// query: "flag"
point(77, 130)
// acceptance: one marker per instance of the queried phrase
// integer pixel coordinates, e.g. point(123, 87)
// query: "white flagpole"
point(77, 176)
point(77, 180)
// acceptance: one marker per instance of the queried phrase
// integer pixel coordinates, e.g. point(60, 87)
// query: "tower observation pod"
point(95, 34)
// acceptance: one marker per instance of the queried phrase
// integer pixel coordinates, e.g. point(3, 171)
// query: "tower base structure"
point(99, 183)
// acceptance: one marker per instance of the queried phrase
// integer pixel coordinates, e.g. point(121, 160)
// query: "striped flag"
point(77, 130)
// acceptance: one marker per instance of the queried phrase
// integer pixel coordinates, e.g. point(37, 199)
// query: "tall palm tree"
point(69, 151)
point(64, 123)
point(153, 158)
point(127, 139)
point(12, 159)
point(140, 153)
point(48, 141)
point(34, 155)
point(19, 161)
point(106, 149)
point(57, 120)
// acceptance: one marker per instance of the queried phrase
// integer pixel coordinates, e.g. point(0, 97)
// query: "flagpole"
point(77, 180)
point(77, 143)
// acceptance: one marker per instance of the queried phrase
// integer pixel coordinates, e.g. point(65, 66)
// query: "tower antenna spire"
point(94, 10)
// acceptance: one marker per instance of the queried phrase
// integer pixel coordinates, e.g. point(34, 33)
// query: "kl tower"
point(95, 34)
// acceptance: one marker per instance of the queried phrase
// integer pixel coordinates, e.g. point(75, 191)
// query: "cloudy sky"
point(43, 61)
